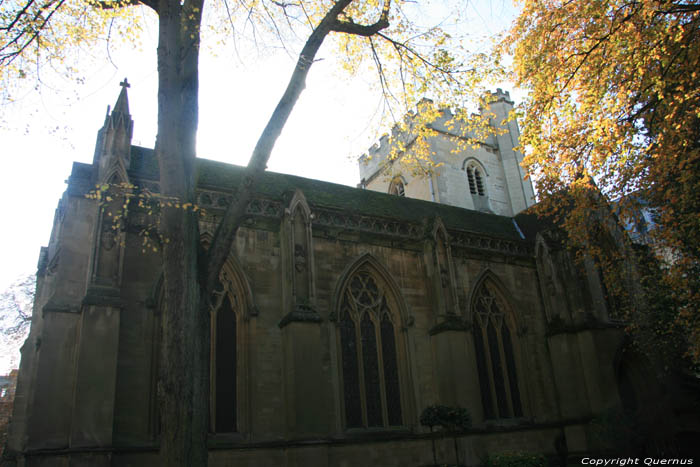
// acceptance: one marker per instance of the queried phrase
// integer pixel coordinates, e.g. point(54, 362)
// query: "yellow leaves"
point(43, 31)
point(614, 104)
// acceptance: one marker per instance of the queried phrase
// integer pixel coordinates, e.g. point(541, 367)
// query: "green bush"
point(515, 460)
point(449, 418)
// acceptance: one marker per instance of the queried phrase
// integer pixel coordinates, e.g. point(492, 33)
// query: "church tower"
point(485, 178)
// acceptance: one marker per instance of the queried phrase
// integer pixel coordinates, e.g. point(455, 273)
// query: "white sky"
point(51, 127)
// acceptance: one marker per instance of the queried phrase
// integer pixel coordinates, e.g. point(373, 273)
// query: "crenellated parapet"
point(474, 162)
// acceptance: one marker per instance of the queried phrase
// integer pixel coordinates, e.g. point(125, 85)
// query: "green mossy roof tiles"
point(222, 176)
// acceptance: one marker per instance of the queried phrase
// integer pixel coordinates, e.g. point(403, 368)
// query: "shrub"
point(449, 418)
point(515, 460)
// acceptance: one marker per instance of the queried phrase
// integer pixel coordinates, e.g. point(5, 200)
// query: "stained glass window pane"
point(225, 391)
point(484, 383)
point(512, 375)
point(356, 285)
point(371, 367)
point(351, 382)
point(372, 289)
point(497, 369)
point(391, 373)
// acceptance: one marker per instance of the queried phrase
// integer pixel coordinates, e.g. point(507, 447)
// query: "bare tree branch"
point(350, 27)
point(213, 260)
point(18, 16)
point(10, 57)
point(420, 57)
point(360, 29)
point(386, 92)
point(233, 29)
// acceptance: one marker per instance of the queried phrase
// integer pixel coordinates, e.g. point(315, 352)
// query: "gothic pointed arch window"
point(227, 355)
point(368, 339)
point(397, 187)
point(494, 331)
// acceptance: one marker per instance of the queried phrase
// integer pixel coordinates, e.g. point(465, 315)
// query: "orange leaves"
point(599, 72)
point(615, 99)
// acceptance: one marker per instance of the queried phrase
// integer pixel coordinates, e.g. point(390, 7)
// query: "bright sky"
point(57, 124)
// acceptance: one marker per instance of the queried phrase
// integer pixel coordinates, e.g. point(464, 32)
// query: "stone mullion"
point(357, 319)
point(370, 353)
point(377, 320)
point(489, 367)
point(346, 384)
point(504, 369)
point(512, 368)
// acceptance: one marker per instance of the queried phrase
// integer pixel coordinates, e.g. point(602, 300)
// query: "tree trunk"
point(183, 371)
point(189, 279)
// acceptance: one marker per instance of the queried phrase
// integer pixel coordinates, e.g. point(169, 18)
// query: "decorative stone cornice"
point(482, 242)
point(325, 217)
point(349, 221)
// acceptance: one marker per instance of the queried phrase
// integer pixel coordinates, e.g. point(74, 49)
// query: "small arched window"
point(367, 327)
point(396, 187)
point(495, 359)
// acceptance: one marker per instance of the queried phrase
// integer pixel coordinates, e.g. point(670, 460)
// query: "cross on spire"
point(122, 105)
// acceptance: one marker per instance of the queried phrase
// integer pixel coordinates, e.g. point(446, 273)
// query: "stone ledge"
point(300, 314)
point(103, 296)
point(450, 323)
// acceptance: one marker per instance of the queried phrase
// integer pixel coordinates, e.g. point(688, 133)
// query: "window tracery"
point(498, 380)
point(368, 352)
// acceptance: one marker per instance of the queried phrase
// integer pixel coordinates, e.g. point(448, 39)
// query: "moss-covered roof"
point(222, 176)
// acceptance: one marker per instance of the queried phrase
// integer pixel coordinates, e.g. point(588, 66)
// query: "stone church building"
point(344, 313)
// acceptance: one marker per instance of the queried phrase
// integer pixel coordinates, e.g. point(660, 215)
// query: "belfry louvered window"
point(368, 350)
point(476, 181)
point(493, 340)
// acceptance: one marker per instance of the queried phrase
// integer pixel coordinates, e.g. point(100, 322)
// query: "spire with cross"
point(122, 105)
point(114, 139)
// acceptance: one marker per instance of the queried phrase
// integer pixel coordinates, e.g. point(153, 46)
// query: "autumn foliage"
point(614, 108)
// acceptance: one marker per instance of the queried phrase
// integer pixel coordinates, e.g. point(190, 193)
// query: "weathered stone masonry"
point(344, 313)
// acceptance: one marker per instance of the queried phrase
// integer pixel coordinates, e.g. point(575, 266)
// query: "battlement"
point(501, 95)
point(385, 143)
point(477, 165)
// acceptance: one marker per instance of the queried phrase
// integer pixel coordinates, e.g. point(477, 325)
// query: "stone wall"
point(8, 385)
point(453, 298)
